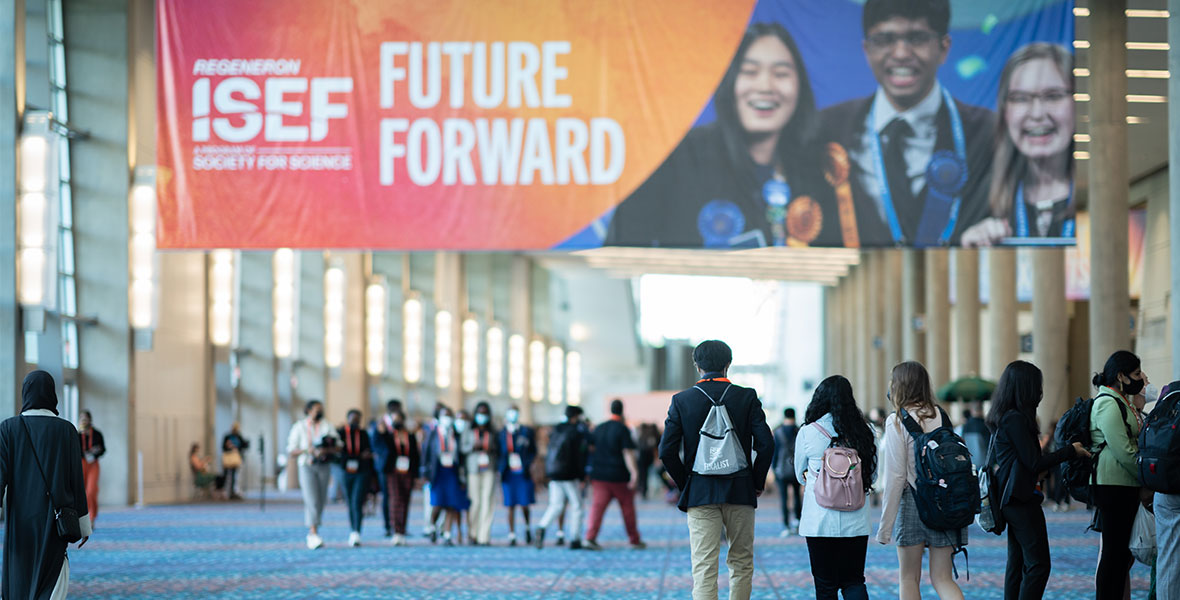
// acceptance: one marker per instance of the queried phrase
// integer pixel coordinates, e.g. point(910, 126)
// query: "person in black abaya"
point(35, 562)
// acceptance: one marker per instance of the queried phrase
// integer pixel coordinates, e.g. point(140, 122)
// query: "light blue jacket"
point(818, 521)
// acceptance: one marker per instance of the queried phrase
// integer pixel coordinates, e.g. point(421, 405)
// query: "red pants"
point(400, 487)
point(90, 476)
point(604, 492)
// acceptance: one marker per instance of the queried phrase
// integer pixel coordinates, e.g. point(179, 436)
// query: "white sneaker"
point(398, 540)
point(785, 533)
point(314, 541)
point(354, 539)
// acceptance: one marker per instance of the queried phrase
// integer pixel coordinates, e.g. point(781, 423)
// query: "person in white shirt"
point(910, 390)
point(837, 540)
point(313, 443)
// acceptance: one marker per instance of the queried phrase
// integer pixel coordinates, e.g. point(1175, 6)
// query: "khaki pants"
point(481, 486)
point(704, 533)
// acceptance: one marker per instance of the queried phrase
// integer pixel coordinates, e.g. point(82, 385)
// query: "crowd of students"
point(458, 458)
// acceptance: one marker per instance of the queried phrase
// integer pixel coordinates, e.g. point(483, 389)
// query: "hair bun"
point(1097, 380)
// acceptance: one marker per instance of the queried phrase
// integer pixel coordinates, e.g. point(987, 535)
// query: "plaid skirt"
point(909, 530)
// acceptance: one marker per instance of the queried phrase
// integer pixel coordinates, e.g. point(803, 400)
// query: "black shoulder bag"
point(66, 518)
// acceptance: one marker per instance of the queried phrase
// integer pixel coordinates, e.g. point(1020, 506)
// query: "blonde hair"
point(910, 388)
point(1008, 164)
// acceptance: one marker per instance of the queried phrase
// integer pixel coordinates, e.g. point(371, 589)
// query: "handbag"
point(990, 517)
point(231, 459)
point(65, 518)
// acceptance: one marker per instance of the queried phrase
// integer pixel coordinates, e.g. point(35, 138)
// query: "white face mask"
point(446, 422)
point(460, 425)
point(512, 416)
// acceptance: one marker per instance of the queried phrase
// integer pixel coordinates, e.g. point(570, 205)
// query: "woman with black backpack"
point(1114, 434)
point(911, 393)
point(837, 528)
point(1018, 462)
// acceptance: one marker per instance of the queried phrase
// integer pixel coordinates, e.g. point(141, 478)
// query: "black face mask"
point(1134, 387)
point(316, 417)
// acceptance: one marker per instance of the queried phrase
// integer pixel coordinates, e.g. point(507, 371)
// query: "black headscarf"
point(39, 391)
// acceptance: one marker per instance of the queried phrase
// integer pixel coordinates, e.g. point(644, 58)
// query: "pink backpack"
point(840, 486)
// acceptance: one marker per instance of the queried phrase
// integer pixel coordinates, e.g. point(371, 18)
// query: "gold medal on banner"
point(805, 220)
point(836, 172)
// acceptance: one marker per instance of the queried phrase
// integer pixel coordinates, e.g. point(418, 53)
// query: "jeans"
point(838, 565)
point(1117, 506)
point(1167, 539)
point(792, 487)
point(355, 485)
point(604, 492)
point(1028, 552)
point(705, 525)
point(560, 494)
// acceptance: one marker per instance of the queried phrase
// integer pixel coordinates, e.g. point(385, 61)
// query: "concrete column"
point(832, 327)
point(450, 294)
point(1050, 330)
point(872, 388)
point(520, 322)
point(893, 321)
point(847, 349)
point(938, 332)
point(1110, 307)
point(10, 330)
point(966, 312)
point(1001, 310)
point(913, 304)
point(1173, 177)
point(860, 335)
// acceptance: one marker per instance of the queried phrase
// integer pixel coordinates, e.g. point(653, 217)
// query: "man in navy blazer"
point(916, 160)
point(716, 501)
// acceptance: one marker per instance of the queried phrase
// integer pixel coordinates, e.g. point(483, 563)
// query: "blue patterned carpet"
point(235, 551)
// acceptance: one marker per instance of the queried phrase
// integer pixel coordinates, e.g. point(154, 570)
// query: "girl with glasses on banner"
point(1032, 185)
point(752, 178)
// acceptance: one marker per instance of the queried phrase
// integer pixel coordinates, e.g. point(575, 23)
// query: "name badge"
point(352, 466)
point(447, 459)
point(403, 464)
point(514, 462)
point(90, 458)
point(484, 460)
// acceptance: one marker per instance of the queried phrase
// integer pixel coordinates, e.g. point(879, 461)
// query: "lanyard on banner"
point(883, 183)
point(1067, 228)
point(777, 193)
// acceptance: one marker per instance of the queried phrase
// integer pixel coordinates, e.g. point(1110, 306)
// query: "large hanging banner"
point(541, 124)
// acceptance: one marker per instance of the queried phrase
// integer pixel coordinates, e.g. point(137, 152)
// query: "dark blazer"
point(386, 450)
point(686, 416)
point(844, 124)
point(431, 462)
point(1019, 462)
point(664, 210)
point(524, 443)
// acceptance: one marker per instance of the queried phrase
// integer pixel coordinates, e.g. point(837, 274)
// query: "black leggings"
point(1028, 552)
point(838, 565)
point(1117, 506)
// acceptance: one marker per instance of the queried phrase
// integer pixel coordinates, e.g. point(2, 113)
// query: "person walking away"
point(716, 500)
point(648, 442)
point(613, 476)
point(1018, 464)
point(442, 462)
point(836, 529)
point(1114, 433)
point(479, 445)
point(232, 447)
point(565, 466)
point(357, 461)
point(41, 473)
point(518, 450)
point(910, 392)
point(93, 447)
point(975, 434)
point(314, 444)
point(378, 434)
point(783, 467)
point(399, 470)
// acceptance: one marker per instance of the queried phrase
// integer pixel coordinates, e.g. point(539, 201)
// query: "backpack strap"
point(822, 430)
point(910, 424)
point(33, 447)
point(946, 420)
point(717, 402)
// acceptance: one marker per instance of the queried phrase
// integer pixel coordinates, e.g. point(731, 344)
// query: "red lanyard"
point(511, 443)
point(89, 439)
point(348, 440)
point(721, 379)
point(484, 440)
point(402, 441)
point(442, 441)
point(310, 433)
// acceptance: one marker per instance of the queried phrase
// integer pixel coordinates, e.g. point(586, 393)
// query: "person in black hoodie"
point(1019, 463)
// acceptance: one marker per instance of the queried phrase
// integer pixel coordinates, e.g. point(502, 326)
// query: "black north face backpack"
point(1074, 426)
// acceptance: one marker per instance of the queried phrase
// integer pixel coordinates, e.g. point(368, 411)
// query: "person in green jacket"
point(1114, 430)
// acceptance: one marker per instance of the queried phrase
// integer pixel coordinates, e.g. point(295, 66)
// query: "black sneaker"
point(512, 542)
point(540, 538)
point(576, 545)
point(639, 546)
point(560, 539)
point(591, 545)
point(434, 537)
point(528, 535)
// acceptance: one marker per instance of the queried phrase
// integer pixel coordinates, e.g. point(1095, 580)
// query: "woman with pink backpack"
point(836, 461)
